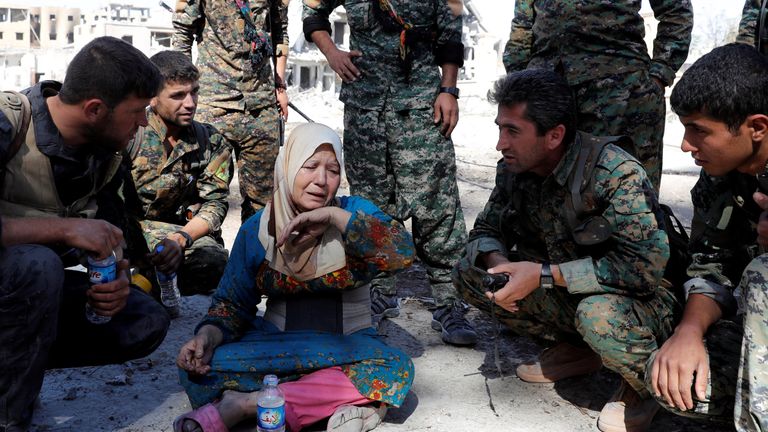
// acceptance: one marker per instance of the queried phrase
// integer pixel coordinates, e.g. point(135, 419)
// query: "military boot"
point(455, 328)
point(626, 411)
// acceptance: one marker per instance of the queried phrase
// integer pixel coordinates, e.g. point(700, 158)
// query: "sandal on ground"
point(353, 418)
point(207, 418)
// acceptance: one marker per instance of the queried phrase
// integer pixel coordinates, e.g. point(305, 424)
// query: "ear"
point(758, 125)
point(94, 110)
point(554, 137)
point(153, 103)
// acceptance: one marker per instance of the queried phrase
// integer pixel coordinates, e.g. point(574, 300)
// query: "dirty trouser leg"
point(424, 167)
point(368, 169)
point(630, 104)
point(254, 136)
point(31, 279)
point(133, 333)
point(204, 261)
point(625, 331)
point(751, 411)
point(723, 343)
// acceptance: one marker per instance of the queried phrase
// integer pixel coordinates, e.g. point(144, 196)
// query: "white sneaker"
point(352, 418)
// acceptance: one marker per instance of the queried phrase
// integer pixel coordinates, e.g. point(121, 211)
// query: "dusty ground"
point(455, 389)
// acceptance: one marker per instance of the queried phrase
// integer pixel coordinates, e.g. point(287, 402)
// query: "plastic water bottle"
point(99, 272)
point(169, 289)
point(271, 407)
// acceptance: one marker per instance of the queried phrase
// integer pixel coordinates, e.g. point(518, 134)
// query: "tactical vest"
point(27, 185)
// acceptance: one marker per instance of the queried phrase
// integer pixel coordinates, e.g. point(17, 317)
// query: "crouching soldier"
point(589, 255)
point(180, 174)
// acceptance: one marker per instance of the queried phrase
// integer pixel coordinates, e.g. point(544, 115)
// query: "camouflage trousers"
point(203, 264)
point(737, 385)
point(630, 104)
point(401, 162)
point(255, 137)
point(622, 330)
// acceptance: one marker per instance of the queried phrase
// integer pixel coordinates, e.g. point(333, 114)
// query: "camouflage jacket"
point(228, 79)
point(748, 24)
point(527, 213)
point(723, 235)
point(384, 80)
point(597, 38)
point(192, 174)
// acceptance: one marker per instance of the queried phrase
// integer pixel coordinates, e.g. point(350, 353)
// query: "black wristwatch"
point(450, 90)
point(546, 280)
point(187, 239)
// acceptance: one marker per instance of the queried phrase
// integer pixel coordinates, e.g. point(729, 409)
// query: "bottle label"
point(102, 274)
point(271, 418)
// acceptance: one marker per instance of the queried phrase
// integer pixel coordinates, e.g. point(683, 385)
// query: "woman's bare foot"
point(233, 407)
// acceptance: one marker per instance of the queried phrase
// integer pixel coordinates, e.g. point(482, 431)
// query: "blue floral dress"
point(254, 347)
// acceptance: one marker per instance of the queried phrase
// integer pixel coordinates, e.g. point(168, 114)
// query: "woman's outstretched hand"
point(307, 227)
point(195, 356)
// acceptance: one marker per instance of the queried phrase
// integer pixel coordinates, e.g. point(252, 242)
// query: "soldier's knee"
point(597, 319)
point(31, 271)
point(754, 280)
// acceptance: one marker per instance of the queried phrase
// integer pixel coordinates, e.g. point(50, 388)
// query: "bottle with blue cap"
point(169, 289)
point(100, 271)
point(270, 406)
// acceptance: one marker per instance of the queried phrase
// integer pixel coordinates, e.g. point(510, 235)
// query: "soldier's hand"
point(447, 113)
point(110, 298)
point(523, 280)
point(96, 236)
point(341, 63)
point(674, 366)
point(282, 103)
point(762, 225)
point(170, 258)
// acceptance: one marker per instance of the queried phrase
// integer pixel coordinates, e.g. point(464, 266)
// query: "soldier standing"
point(236, 43)
point(399, 113)
point(748, 24)
point(715, 366)
point(598, 46)
point(591, 286)
point(180, 173)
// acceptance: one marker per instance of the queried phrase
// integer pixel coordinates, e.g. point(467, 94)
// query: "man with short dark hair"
point(715, 365)
point(583, 266)
point(180, 171)
point(50, 177)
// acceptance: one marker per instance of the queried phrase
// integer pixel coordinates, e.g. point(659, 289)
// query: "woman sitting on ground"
point(313, 255)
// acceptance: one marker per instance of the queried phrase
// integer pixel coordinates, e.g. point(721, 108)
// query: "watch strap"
point(546, 280)
point(450, 90)
point(187, 238)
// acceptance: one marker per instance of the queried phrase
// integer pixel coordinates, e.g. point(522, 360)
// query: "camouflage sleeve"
point(517, 52)
point(448, 46)
point(188, 21)
point(279, 12)
point(314, 16)
point(748, 24)
point(638, 249)
point(213, 184)
point(722, 242)
point(486, 235)
point(673, 37)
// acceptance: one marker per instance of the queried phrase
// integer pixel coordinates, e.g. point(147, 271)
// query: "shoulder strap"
point(17, 109)
point(135, 145)
point(588, 157)
point(202, 136)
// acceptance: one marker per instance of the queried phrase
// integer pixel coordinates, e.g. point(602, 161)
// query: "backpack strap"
point(591, 147)
point(18, 110)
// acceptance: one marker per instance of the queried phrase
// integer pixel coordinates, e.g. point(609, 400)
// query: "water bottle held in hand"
point(169, 289)
point(99, 272)
point(271, 407)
